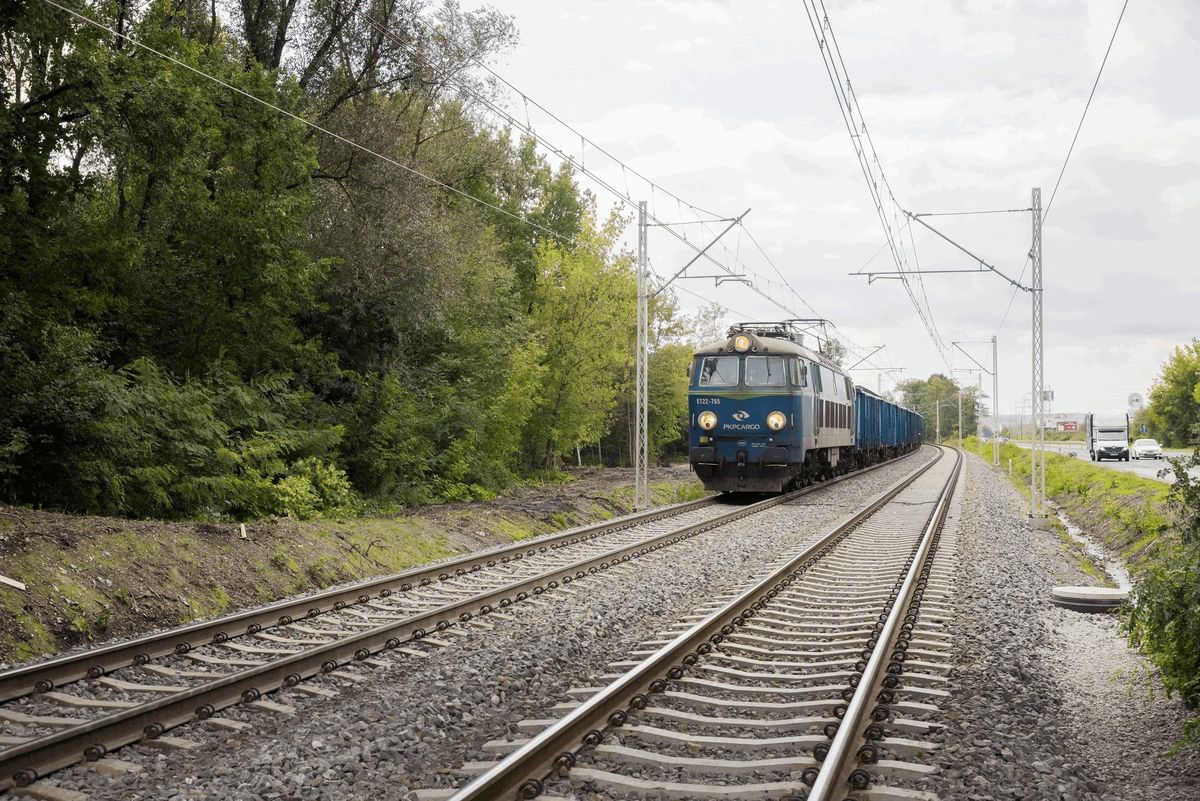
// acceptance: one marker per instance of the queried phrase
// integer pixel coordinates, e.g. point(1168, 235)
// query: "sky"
point(970, 104)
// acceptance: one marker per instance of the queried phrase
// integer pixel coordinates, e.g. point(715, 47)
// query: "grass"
point(110, 580)
point(1124, 511)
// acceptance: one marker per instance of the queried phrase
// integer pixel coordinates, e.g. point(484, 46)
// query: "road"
point(1146, 468)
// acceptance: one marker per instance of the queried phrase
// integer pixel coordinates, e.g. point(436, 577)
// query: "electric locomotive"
point(767, 414)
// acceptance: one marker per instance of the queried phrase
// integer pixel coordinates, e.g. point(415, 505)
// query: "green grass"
point(115, 580)
point(1125, 511)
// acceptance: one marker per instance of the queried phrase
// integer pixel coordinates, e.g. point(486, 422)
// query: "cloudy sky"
point(970, 105)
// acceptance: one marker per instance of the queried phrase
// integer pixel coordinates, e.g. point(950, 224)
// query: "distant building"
point(1057, 421)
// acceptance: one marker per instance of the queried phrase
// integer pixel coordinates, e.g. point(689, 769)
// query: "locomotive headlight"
point(741, 343)
point(707, 420)
point(776, 421)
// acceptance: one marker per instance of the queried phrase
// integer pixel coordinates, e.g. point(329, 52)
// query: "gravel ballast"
point(1046, 703)
point(408, 726)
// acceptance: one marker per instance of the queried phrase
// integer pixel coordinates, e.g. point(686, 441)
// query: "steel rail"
point(840, 764)
point(44, 676)
point(22, 764)
point(521, 774)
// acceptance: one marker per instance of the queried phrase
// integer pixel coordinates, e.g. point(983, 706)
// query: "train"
point(768, 415)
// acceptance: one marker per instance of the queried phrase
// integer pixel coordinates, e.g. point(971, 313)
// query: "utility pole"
point(960, 417)
point(641, 450)
point(980, 370)
point(641, 444)
point(1037, 476)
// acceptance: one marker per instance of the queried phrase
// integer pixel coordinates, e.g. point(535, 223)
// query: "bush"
point(1164, 623)
point(80, 436)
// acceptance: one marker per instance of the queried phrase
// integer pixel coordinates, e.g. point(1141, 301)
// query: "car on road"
point(1146, 449)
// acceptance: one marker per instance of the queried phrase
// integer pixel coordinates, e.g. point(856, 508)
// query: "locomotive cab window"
point(827, 380)
point(816, 378)
point(799, 373)
point(716, 371)
point(765, 371)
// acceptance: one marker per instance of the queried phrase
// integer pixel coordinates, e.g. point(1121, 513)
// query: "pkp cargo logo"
point(741, 415)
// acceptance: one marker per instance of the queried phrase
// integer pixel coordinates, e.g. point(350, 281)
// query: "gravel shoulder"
point(1046, 703)
point(410, 722)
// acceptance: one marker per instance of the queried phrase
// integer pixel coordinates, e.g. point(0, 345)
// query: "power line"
point(624, 197)
point(527, 128)
point(1086, 106)
point(930, 322)
point(1013, 296)
point(291, 115)
point(964, 213)
point(582, 138)
point(779, 272)
point(1070, 150)
point(698, 296)
point(874, 256)
point(870, 166)
point(347, 141)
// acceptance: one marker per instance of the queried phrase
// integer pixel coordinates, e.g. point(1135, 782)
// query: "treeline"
point(937, 394)
point(210, 309)
point(1173, 413)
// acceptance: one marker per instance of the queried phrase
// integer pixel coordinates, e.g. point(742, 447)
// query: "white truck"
point(1107, 436)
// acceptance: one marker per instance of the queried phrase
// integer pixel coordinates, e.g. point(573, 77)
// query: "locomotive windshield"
point(765, 371)
point(717, 371)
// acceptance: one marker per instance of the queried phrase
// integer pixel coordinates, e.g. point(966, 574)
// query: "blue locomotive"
point(767, 415)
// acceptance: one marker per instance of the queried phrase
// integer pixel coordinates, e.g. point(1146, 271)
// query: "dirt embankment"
point(91, 578)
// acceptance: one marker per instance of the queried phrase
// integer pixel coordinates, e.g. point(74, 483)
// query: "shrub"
point(1164, 623)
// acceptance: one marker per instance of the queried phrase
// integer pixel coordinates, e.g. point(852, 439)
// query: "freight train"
point(768, 415)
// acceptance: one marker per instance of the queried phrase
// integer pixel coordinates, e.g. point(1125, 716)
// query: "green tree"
point(584, 316)
point(926, 396)
point(833, 350)
point(1174, 410)
point(1163, 622)
point(209, 309)
point(673, 337)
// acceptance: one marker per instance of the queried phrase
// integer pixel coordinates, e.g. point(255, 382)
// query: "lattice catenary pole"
point(641, 445)
point(1037, 476)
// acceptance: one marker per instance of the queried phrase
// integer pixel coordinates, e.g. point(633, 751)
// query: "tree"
point(1174, 410)
point(584, 316)
point(673, 338)
point(833, 350)
point(1163, 622)
point(925, 397)
point(210, 309)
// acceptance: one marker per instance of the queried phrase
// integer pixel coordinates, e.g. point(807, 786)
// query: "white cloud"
point(697, 11)
point(684, 45)
point(970, 104)
point(1182, 197)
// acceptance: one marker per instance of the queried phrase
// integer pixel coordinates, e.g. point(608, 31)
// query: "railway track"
point(820, 681)
point(84, 706)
